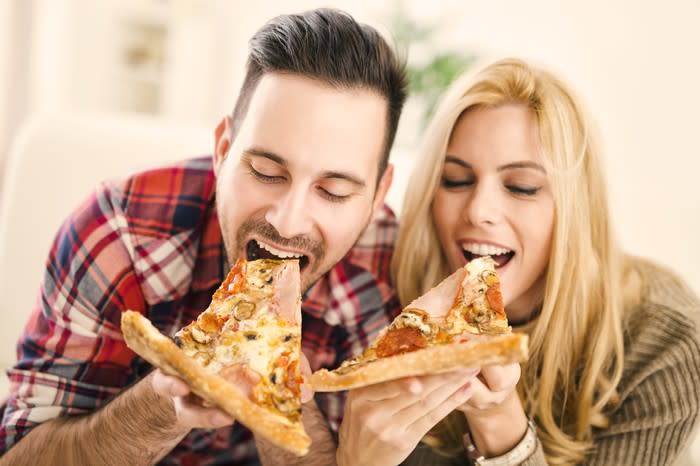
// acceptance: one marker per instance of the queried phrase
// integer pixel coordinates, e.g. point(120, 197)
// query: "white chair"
point(53, 164)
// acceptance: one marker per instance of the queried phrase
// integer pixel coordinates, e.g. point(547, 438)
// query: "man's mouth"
point(259, 250)
point(501, 256)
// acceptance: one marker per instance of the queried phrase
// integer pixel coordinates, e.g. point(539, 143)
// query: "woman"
point(513, 171)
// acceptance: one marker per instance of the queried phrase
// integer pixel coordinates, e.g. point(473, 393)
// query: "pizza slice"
point(458, 324)
point(242, 353)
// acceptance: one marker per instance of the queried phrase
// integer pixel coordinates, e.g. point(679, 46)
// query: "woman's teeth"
point(480, 249)
point(278, 252)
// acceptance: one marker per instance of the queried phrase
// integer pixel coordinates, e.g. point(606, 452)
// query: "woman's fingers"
point(430, 401)
point(492, 387)
point(426, 422)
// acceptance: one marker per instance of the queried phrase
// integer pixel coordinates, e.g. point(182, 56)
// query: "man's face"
point(299, 180)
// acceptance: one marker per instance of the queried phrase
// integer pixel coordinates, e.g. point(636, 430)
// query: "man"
point(299, 170)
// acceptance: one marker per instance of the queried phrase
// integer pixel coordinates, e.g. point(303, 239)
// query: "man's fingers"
point(305, 366)
point(191, 413)
point(168, 385)
point(306, 393)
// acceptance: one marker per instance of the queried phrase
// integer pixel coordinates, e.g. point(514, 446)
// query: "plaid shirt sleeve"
point(131, 245)
point(71, 357)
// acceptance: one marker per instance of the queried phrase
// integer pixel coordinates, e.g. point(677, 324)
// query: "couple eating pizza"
point(292, 321)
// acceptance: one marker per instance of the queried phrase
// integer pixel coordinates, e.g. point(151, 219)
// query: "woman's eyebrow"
point(457, 160)
point(522, 164)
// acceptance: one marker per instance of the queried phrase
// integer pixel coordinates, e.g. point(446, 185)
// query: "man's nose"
point(290, 214)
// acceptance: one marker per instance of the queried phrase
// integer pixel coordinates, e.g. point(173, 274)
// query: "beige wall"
point(634, 63)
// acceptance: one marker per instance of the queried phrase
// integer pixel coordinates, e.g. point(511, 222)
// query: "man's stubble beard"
point(313, 249)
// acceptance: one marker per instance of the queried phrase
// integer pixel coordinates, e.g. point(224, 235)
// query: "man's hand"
point(322, 450)
point(383, 423)
point(191, 411)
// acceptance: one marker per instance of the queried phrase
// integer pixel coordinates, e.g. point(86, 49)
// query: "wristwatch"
point(517, 455)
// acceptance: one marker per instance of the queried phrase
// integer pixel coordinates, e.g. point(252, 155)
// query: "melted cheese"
point(247, 330)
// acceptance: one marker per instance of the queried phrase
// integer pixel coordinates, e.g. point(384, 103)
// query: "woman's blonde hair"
point(576, 342)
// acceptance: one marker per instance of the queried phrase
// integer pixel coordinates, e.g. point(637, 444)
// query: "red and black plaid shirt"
point(152, 243)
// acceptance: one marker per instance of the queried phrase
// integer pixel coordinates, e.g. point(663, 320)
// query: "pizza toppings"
point(400, 340)
point(250, 334)
point(242, 354)
point(439, 317)
point(478, 307)
point(459, 323)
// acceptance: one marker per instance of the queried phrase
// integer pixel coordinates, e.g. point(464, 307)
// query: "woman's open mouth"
point(501, 256)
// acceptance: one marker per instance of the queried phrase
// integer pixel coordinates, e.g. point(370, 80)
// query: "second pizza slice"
point(458, 324)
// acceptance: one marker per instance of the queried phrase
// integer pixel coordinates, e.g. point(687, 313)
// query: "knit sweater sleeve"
point(659, 400)
point(659, 396)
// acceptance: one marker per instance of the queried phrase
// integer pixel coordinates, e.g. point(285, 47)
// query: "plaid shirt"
point(152, 243)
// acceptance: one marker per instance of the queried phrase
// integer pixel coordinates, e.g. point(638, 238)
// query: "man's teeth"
point(278, 252)
point(481, 249)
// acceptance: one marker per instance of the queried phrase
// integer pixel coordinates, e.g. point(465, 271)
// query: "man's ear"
point(382, 189)
point(222, 142)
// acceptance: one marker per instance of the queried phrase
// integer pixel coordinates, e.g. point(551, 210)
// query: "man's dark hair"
point(329, 46)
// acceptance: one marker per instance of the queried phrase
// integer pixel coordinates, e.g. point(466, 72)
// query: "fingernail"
point(223, 419)
point(415, 387)
point(467, 389)
point(306, 393)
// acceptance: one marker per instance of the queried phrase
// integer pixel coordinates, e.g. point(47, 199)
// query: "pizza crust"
point(502, 349)
point(142, 337)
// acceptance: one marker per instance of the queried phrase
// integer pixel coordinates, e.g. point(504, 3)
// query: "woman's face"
point(494, 198)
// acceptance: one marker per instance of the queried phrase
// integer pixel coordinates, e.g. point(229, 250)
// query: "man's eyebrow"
point(357, 181)
point(254, 151)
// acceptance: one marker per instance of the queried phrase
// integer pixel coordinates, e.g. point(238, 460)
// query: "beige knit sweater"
point(660, 387)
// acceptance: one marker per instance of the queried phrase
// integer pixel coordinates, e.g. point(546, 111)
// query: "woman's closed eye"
point(523, 190)
point(456, 183)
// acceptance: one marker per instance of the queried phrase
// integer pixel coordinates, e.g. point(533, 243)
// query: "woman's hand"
point(383, 423)
point(497, 421)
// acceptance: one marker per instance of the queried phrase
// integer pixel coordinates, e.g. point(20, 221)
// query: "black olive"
point(178, 341)
point(273, 378)
point(287, 338)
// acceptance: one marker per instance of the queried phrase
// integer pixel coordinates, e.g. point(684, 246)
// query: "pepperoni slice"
point(495, 299)
point(401, 340)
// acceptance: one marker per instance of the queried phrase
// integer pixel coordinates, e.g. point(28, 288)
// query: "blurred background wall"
point(635, 63)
